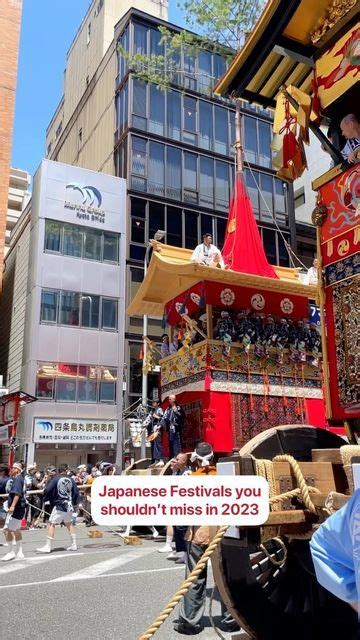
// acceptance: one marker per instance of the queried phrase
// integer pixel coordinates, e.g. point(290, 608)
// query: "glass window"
point(137, 230)
point(283, 253)
point(72, 241)
point(109, 313)
point(138, 156)
point(108, 385)
point(65, 390)
point(266, 201)
point(49, 306)
point(139, 104)
point(205, 125)
point(136, 278)
point(232, 132)
point(157, 110)
point(45, 382)
point(280, 201)
point(137, 253)
point(219, 66)
point(221, 185)
point(221, 131)
point(122, 61)
point(206, 181)
point(191, 229)
point(253, 190)
point(111, 247)
point(136, 363)
point(173, 173)
point(90, 311)
point(189, 70)
point(250, 139)
point(92, 244)
point(156, 170)
point(69, 308)
point(190, 182)
point(174, 226)
point(189, 119)
point(156, 48)
point(220, 231)
point(264, 144)
point(174, 114)
point(205, 72)
point(206, 225)
point(138, 207)
point(269, 242)
point(140, 36)
point(156, 218)
point(53, 232)
point(87, 384)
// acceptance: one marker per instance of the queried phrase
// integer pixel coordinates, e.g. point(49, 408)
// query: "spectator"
point(63, 495)
point(207, 253)
point(173, 423)
point(3, 482)
point(153, 426)
point(179, 467)
point(350, 128)
point(15, 512)
point(165, 347)
point(34, 500)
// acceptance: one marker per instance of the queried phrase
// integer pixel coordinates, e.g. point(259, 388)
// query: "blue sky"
point(48, 28)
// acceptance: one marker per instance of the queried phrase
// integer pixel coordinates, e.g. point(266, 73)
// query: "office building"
point(174, 148)
point(19, 196)
point(63, 310)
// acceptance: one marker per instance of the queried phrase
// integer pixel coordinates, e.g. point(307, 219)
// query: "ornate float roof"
point(281, 49)
point(170, 273)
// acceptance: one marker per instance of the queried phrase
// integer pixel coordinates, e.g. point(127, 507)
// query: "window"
point(71, 382)
point(110, 247)
point(269, 242)
point(69, 308)
point(221, 131)
point(122, 61)
point(219, 66)
point(189, 70)
point(72, 240)
point(264, 158)
point(108, 385)
point(283, 253)
point(220, 231)
point(139, 104)
point(137, 230)
point(88, 36)
point(190, 182)
point(232, 132)
point(299, 195)
point(53, 233)
point(156, 170)
point(58, 130)
point(157, 110)
point(252, 189)
point(173, 114)
point(205, 125)
point(87, 384)
point(90, 311)
point(49, 306)
point(156, 218)
point(138, 165)
point(173, 173)
point(205, 72)
point(174, 226)
point(221, 185)
point(206, 225)
point(206, 181)
point(191, 229)
point(140, 37)
point(250, 139)
point(66, 380)
point(122, 109)
point(81, 242)
point(156, 48)
point(189, 120)
point(266, 201)
point(109, 313)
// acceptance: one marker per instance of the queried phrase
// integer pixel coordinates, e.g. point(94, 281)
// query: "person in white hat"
point(15, 513)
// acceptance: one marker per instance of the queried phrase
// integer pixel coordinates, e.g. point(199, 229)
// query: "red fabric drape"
point(243, 250)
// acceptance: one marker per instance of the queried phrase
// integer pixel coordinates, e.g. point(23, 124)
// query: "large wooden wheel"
point(270, 601)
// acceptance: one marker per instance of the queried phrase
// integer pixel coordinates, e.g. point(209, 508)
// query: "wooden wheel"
point(271, 599)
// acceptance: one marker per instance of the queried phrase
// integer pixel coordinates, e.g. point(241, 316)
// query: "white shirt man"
point(312, 274)
point(207, 253)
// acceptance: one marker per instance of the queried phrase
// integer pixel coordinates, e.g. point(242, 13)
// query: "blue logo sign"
point(88, 193)
point(46, 426)
point(314, 314)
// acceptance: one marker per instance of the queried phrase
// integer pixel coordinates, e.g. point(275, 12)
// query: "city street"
point(105, 589)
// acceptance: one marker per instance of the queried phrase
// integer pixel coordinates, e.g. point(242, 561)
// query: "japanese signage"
point(49, 430)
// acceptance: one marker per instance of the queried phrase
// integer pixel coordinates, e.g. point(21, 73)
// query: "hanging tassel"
point(251, 402)
point(141, 354)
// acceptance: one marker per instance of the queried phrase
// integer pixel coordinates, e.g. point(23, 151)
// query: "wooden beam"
point(209, 319)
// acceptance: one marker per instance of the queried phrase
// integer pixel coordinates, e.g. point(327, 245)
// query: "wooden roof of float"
point(282, 48)
point(171, 272)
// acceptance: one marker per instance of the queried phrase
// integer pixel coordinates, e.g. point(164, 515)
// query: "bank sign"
point(49, 430)
point(85, 201)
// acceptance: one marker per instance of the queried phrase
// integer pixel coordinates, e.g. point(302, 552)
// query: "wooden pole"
point(322, 298)
point(209, 319)
point(239, 162)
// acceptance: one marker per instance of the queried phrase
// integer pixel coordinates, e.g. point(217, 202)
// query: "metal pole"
point(144, 380)
point(238, 135)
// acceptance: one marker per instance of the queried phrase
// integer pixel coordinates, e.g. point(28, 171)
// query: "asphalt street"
point(104, 590)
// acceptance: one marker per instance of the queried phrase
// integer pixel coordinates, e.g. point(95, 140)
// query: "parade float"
point(302, 60)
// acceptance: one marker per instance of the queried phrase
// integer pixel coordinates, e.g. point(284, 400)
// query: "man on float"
point(207, 253)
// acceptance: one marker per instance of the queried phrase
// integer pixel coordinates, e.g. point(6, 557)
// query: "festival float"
point(262, 398)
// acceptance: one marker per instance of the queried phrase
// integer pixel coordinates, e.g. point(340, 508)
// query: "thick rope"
point(304, 489)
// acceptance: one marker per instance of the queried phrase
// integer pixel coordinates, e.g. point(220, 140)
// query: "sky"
point(47, 30)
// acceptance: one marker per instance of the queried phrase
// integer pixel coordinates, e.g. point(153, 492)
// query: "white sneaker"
point(155, 533)
point(166, 549)
point(20, 554)
point(73, 547)
point(172, 556)
point(9, 556)
point(44, 549)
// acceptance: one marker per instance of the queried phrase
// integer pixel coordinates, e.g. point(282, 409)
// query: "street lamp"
point(159, 235)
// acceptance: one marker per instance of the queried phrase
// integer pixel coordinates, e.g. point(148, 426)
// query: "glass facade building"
point(174, 146)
